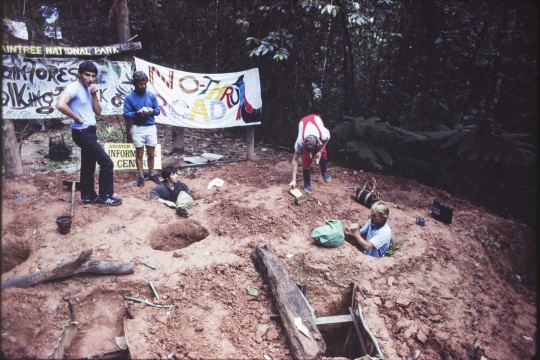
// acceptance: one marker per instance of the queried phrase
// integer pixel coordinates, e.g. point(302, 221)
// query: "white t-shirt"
point(311, 129)
point(81, 104)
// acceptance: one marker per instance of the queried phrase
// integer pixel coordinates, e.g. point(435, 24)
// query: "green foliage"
point(396, 246)
point(277, 44)
point(330, 9)
point(110, 134)
point(372, 143)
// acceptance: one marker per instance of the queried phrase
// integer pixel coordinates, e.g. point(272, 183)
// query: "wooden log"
point(290, 305)
point(78, 266)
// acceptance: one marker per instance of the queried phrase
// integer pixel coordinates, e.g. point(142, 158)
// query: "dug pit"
point(14, 252)
point(177, 236)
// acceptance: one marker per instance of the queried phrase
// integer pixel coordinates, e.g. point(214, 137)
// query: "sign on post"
point(123, 156)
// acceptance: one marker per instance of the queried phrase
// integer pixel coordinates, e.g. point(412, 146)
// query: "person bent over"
point(310, 144)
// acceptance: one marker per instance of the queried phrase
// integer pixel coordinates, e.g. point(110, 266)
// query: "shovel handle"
point(72, 198)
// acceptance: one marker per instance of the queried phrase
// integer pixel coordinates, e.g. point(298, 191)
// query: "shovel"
point(68, 332)
point(74, 185)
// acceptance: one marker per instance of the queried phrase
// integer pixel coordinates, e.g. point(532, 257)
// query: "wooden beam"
point(337, 319)
point(290, 305)
point(71, 51)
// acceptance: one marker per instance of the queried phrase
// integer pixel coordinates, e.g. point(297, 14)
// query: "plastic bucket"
point(64, 224)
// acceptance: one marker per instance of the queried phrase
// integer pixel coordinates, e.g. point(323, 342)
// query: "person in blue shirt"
point(140, 107)
point(374, 237)
point(80, 103)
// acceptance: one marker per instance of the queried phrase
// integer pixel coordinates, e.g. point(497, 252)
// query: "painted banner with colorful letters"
point(204, 101)
point(31, 86)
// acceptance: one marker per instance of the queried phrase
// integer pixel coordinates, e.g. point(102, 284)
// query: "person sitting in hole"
point(173, 192)
point(374, 237)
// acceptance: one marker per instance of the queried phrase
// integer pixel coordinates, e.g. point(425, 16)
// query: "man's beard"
point(140, 92)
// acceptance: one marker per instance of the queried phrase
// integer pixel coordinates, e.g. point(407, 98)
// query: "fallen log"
point(78, 266)
point(305, 341)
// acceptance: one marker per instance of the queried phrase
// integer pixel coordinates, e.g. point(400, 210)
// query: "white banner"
point(204, 101)
point(31, 86)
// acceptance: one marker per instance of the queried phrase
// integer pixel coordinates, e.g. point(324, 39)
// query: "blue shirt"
point(134, 102)
point(81, 104)
point(380, 238)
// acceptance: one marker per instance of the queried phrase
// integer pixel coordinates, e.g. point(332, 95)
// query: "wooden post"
point(178, 138)
point(290, 304)
point(12, 156)
point(250, 143)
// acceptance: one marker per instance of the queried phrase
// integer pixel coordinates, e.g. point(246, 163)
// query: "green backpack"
point(329, 235)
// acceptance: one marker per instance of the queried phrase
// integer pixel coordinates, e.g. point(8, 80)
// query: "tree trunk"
point(290, 305)
point(12, 156)
point(122, 20)
point(124, 34)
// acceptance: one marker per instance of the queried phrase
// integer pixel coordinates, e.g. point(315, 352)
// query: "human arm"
point(358, 237)
point(62, 104)
point(294, 167)
point(155, 106)
point(96, 106)
point(319, 153)
point(156, 193)
point(130, 111)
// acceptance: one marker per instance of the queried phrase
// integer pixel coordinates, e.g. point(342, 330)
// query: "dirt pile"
point(454, 291)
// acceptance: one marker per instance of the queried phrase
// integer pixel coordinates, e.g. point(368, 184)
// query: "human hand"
point(318, 157)
point(292, 184)
point(351, 229)
point(93, 90)
point(145, 110)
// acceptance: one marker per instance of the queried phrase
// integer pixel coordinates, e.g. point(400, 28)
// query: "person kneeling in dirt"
point(374, 237)
point(173, 192)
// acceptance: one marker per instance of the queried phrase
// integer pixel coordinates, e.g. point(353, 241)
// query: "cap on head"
point(87, 66)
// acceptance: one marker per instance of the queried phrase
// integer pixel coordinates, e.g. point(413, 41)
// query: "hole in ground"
point(335, 337)
point(177, 236)
point(340, 333)
point(14, 252)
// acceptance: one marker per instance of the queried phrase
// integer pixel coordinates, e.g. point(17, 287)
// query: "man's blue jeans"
point(92, 153)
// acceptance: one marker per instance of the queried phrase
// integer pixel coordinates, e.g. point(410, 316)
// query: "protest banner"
point(204, 101)
point(31, 86)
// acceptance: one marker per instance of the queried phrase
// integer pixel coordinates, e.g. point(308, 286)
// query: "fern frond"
point(342, 131)
point(383, 155)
